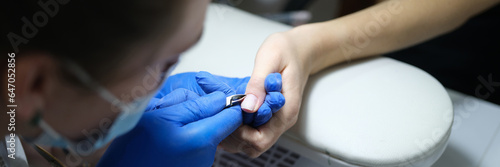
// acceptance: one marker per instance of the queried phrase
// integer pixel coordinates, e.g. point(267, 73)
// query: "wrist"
point(319, 45)
point(305, 49)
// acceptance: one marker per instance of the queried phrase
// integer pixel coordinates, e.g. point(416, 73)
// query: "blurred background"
point(298, 12)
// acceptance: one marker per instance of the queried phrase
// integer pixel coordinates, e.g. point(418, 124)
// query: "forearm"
point(382, 28)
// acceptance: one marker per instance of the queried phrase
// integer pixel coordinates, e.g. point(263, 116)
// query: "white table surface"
point(475, 135)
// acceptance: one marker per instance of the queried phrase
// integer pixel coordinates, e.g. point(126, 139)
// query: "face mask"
point(127, 119)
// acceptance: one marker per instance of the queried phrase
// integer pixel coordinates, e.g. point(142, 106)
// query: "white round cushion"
point(376, 112)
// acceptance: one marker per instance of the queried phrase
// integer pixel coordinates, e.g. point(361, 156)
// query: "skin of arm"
point(387, 26)
point(307, 49)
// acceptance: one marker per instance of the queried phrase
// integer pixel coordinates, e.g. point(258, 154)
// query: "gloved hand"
point(184, 129)
point(190, 81)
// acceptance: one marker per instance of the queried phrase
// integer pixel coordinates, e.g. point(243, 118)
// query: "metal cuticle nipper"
point(234, 99)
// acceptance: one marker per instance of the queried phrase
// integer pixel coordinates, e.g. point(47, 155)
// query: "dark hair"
point(95, 34)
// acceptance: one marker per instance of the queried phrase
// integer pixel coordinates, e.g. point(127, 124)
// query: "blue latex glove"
point(184, 134)
point(273, 102)
point(182, 129)
point(189, 81)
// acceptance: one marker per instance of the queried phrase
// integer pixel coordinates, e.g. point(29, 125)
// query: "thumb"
point(196, 109)
point(175, 97)
point(217, 127)
point(256, 92)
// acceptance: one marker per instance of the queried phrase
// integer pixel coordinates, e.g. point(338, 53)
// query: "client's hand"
point(283, 53)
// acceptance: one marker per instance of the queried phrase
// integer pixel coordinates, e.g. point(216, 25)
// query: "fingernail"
point(248, 104)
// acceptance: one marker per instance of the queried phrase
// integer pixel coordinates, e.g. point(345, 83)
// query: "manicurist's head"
point(84, 70)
